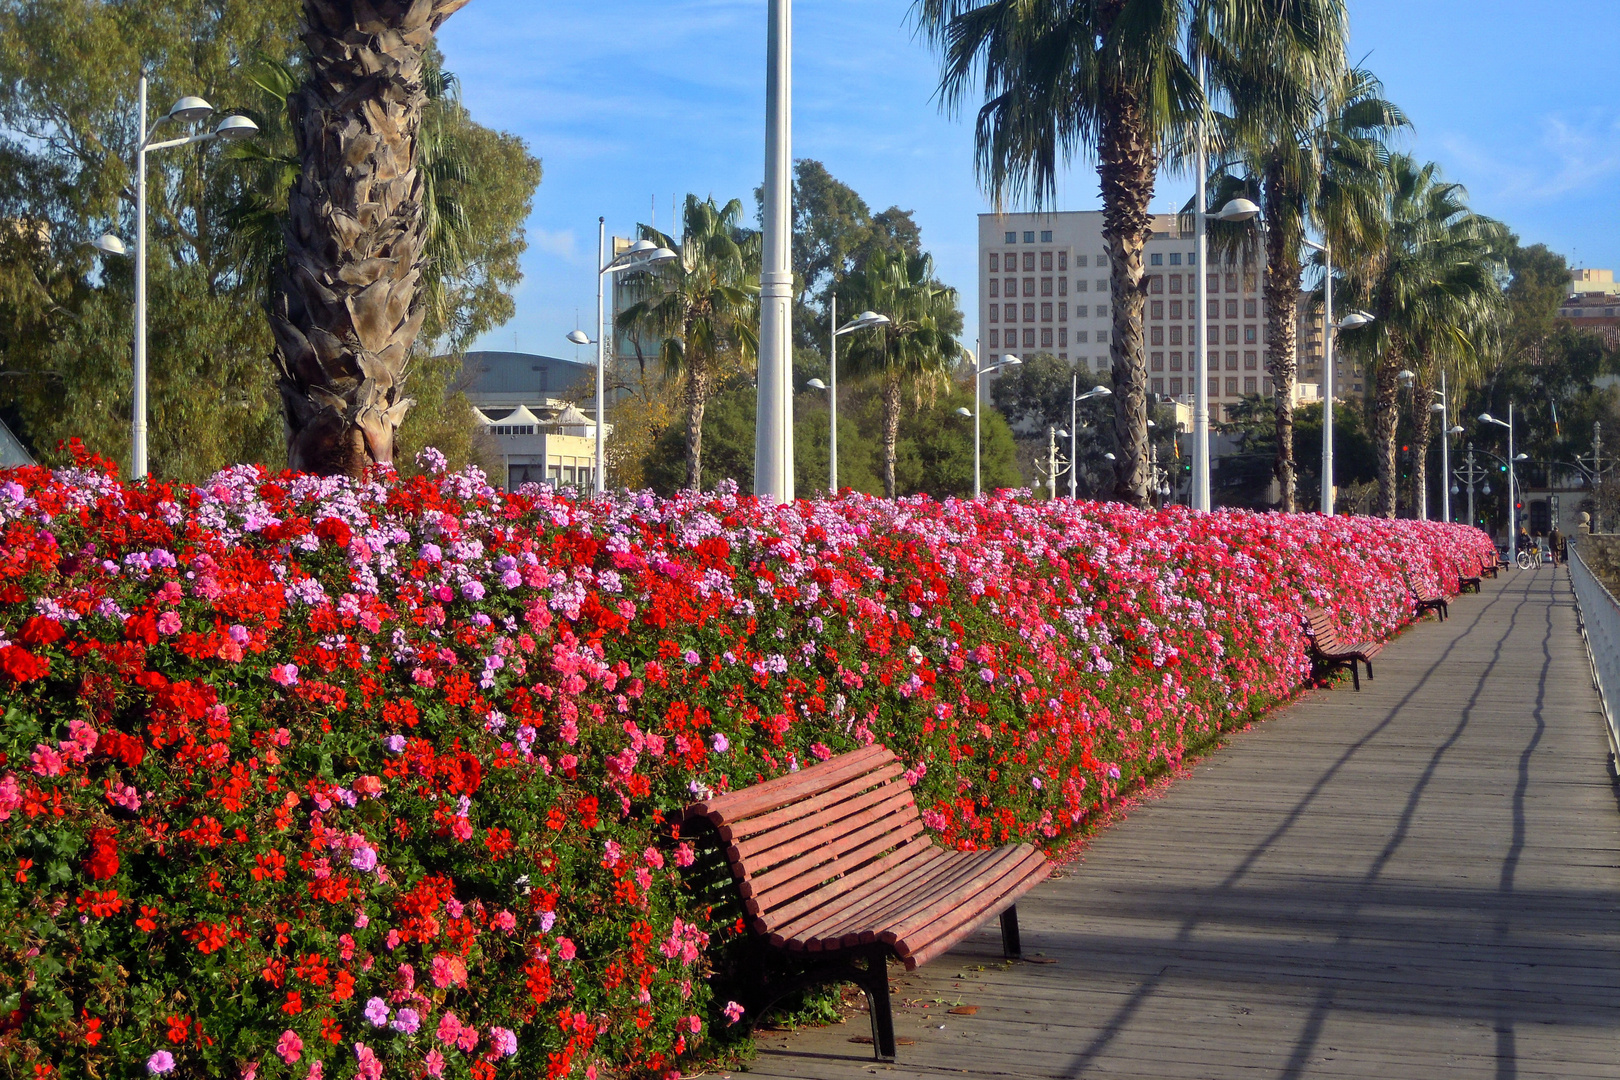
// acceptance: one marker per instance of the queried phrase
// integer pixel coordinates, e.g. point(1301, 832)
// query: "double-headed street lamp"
point(866, 320)
point(641, 255)
point(187, 110)
point(1075, 398)
point(980, 370)
point(1513, 485)
point(1408, 379)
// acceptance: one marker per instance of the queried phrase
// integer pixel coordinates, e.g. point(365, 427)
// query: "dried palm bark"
point(347, 306)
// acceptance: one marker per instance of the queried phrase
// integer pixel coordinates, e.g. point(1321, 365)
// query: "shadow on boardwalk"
point(1422, 880)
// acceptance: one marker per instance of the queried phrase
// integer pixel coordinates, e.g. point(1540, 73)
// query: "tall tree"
point(350, 301)
point(1110, 79)
point(701, 308)
point(915, 349)
point(1312, 152)
point(1433, 282)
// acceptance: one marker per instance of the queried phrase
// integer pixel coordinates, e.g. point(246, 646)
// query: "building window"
point(1175, 387)
point(1102, 311)
point(1157, 335)
point(1063, 286)
point(1063, 337)
point(1102, 337)
point(1011, 238)
point(1214, 309)
point(1192, 258)
point(1175, 361)
point(1231, 387)
point(1175, 258)
point(1029, 237)
point(1046, 337)
point(1156, 259)
point(1251, 385)
point(1080, 311)
point(1249, 308)
point(1214, 283)
point(1046, 261)
point(1081, 336)
point(1029, 312)
point(995, 286)
point(1029, 339)
point(1175, 335)
point(1062, 355)
point(995, 261)
point(1156, 309)
point(1009, 261)
point(1080, 284)
point(1231, 309)
point(1231, 361)
point(1029, 261)
point(1063, 312)
point(1063, 260)
point(1046, 236)
point(1157, 386)
point(995, 312)
point(1102, 284)
point(1046, 313)
point(1214, 388)
point(1249, 335)
point(1029, 286)
point(1175, 307)
point(1231, 334)
point(1046, 286)
point(1175, 283)
point(1231, 283)
point(995, 339)
point(1079, 260)
point(1156, 361)
point(1251, 360)
point(1156, 283)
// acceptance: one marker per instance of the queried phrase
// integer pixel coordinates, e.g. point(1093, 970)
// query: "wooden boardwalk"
point(1419, 881)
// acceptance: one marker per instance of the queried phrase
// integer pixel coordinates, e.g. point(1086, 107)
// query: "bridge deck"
point(1419, 881)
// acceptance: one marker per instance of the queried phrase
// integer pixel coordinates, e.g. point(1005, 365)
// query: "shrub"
point(318, 778)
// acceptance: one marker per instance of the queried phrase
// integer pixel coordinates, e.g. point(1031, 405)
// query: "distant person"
point(1555, 541)
point(1525, 543)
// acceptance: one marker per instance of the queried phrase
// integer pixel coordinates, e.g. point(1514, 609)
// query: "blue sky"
point(626, 101)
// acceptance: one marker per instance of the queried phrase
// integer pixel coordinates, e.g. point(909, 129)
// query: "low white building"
point(526, 402)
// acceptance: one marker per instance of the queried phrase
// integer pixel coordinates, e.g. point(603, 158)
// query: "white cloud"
point(1566, 156)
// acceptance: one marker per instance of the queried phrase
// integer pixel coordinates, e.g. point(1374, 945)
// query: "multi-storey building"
point(1043, 287)
point(1594, 299)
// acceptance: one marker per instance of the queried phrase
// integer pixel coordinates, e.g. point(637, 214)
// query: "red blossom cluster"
point(319, 778)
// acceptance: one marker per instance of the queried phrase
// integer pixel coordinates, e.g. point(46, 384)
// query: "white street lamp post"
point(773, 433)
point(186, 110)
point(1201, 491)
point(1075, 398)
point(642, 255)
point(1513, 485)
point(863, 321)
point(979, 372)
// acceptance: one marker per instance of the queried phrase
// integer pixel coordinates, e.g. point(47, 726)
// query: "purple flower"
point(721, 744)
point(377, 1012)
point(285, 674)
point(691, 656)
point(160, 1063)
point(364, 859)
point(406, 1022)
point(395, 744)
point(503, 1041)
point(473, 590)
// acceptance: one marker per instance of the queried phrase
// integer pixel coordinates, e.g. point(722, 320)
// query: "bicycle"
point(1530, 558)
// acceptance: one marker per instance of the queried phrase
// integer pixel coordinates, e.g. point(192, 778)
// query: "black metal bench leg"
point(877, 998)
point(1369, 669)
point(1010, 944)
point(1355, 676)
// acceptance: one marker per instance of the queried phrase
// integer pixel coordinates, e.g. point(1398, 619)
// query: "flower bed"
point(317, 778)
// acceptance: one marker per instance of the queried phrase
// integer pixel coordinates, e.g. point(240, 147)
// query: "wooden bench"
point(1332, 652)
point(1437, 604)
point(1464, 582)
point(836, 873)
point(1489, 569)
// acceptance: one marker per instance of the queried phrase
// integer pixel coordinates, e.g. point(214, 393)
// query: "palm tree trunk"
point(347, 309)
point(1384, 420)
point(891, 431)
point(1282, 289)
point(1421, 397)
point(697, 397)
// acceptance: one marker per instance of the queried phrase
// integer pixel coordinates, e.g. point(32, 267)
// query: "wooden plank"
point(761, 798)
point(733, 832)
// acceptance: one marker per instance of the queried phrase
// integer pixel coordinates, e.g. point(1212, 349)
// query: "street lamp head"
point(816, 384)
point(1521, 457)
point(867, 319)
point(579, 337)
point(236, 129)
point(1109, 457)
point(110, 244)
point(1009, 360)
point(660, 256)
point(640, 247)
point(1405, 376)
point(1238, 210)
point(1102, 391)
point(1062, 434)
point(964, 411)
point(1455, 429)
point(1353, 320)
point(1486, 489)
point(1437, 407)
point(189, 109)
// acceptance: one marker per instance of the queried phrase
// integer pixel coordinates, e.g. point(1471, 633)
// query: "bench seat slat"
point(1030, 873)
point(863, 909)
point(793, 921)
point(815, 867)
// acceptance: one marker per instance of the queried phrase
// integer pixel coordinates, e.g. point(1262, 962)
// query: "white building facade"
point(1043, 287)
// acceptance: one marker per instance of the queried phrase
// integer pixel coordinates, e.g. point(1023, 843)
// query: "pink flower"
point(565, 949)
point(505, 922)
point(160, 1063)
point(290, 1047)
point(449, 971)
point(434, 1062)
point(503, 1041)
point(377, 1011)
point(369, 1067)
point(315, 1071)
point(168, 623)
point(285, 674)
point(733, 1011)
point(693, 1024)
point(449, 1028)
point(47, 762)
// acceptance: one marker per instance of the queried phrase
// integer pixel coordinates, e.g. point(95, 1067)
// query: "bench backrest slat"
point(1321, 629)
point(790, 836)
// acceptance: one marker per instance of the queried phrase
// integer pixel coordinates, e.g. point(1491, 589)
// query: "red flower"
point(21, 665)
point(102, 862)
point(39, 630)
point(294, 1003)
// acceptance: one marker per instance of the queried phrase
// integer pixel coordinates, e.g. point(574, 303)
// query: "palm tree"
point(1111, 79)
point(1309, 154)
point(702, 308)
point(348, 303)
point(1432, 280)
point(917, 347)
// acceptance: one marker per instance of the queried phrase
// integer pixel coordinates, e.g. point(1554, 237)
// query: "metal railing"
point(1600, 627)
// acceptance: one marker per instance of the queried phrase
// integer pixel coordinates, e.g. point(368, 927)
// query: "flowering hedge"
point(319, 778)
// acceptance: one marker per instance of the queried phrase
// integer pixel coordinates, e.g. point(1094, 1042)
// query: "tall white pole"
point(1074, 431)
point(1513, 494)
point(773, 448)
point(832, 400)
point(1327, 380)
point(1445, 451)
point(601, 351)
point(138, 420)
point(1201, 496)
point(978, 405)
